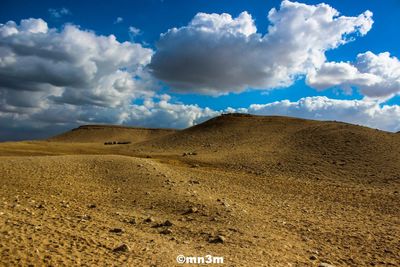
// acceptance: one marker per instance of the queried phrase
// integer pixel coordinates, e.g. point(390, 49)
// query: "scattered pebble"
point(116, 230)
point(167, 223)
point(132, 221)
point(122, 248)
point(218, 239)
point(149, 220)
point(189, 154)
point(166, 231)
point(226, 204)
point(84, 217)
point(192, 210)
point(313, 257)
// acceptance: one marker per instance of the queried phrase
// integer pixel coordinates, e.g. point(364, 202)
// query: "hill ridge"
point(106, 133)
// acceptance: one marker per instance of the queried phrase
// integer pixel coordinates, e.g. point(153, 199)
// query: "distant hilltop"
point(110, 133)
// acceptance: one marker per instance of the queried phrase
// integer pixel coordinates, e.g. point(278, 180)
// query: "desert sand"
point(258, 191)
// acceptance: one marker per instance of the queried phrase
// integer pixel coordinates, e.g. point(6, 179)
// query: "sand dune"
point(280, 191)
point(105, 133)
point(282, 145)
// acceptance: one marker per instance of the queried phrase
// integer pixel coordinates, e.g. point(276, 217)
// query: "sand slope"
point(105, 133)
point(281, 191)
point(287, 145)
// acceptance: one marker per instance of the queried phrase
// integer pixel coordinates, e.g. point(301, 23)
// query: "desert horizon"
point(59, 135)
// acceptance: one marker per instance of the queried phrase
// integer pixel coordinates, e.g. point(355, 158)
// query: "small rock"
point(92, 206)
point(84, 217)
point(226, 204)
point(324, 264)
point(192, 210)
point(218, 239)
point(189, 154)
point(122, 248)
point(166, 232)
point(131, 221)
point(167, 223)
point(116, 230)
point(149, 220)
point(313, 257)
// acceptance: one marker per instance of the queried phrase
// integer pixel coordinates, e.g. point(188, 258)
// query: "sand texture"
point(258, 191)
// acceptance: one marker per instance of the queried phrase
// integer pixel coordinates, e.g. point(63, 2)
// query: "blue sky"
point(155, 17)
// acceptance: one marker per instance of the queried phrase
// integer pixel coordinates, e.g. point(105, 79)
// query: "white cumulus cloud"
point(376, 76)
point(216, 53)
point(54, 79)
point(362, 112)
point(155, 112)
point(40, 66)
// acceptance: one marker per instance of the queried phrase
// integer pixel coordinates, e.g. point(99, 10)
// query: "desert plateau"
point(255, 190)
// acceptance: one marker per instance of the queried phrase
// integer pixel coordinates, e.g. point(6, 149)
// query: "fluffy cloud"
point(216, 53)
point(166, 114)
point(54, 80)
point(40, 67)
point(156, 112)
point(162, 112)
point(60, 78)
point(377, 76)
point(362, 112)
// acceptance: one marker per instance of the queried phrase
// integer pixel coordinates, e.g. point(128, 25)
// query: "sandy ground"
point(256, 191)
